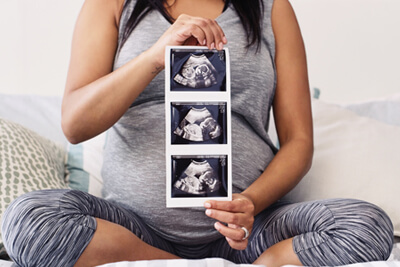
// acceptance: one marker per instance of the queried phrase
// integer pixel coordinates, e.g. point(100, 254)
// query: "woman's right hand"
point(188, 30)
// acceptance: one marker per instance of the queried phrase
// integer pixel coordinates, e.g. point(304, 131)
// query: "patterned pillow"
point(28, 162)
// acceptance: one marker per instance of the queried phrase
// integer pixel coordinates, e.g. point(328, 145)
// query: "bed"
point(356, 155)
point(356, 111)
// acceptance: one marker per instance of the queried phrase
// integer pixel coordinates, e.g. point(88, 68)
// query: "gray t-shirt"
point(134, 164)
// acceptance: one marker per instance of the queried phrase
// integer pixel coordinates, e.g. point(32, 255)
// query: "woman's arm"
point(292, 109)
point(96, 97)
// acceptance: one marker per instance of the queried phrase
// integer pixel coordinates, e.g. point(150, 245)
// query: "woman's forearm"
point(288, 167)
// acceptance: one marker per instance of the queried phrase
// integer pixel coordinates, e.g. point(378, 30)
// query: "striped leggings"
point(53, 227)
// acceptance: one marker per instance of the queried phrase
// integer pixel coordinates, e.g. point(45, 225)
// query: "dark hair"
point(249, 11)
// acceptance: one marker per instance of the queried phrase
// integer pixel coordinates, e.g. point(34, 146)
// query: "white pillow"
point(385, 109)
point(354, 157)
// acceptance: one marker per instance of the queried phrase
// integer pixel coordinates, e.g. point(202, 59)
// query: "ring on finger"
point(246, 233)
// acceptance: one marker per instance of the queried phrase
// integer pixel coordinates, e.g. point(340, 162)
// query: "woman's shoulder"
point(109, 8)
point(282, 12)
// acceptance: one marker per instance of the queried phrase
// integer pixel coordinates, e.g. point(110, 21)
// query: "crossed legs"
point(72, 228)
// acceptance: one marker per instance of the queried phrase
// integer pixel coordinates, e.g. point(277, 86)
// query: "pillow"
point(386, 109)
point(28, 162)
point(41, 114)
point(84, 165)
point(354, 157)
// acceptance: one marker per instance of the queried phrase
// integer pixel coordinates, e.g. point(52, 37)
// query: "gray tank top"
point(134, 163)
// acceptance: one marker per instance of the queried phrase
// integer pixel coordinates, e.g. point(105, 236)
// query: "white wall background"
point(353, 46)
point(35, 45)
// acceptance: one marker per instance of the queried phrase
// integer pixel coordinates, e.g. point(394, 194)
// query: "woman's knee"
point(37, 232)
point(361, 232)
point(370, 227)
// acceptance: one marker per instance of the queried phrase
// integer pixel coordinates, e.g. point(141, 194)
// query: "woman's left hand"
point(236, 214)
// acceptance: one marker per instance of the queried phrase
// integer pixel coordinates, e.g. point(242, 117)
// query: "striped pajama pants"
point(53, 227)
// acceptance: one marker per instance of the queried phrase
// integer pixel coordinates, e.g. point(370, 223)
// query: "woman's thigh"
point(53, 227)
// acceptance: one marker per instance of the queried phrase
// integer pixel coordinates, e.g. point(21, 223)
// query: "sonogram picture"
point(198, 130)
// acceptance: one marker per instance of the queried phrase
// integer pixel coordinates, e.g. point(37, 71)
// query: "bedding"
point(208, 263)
point(83, 165)
point(224, 263)
point(366, 140)
point(354, 157)
point(385, 109)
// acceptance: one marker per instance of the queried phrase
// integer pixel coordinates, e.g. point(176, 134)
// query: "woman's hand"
point(236, 214)
point(188, 30)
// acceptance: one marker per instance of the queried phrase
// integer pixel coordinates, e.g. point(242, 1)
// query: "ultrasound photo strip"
point(198, 130)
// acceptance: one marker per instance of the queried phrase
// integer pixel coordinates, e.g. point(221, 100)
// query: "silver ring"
point(246, 233)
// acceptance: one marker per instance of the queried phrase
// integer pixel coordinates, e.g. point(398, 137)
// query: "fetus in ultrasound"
point(197, 72)
point(198, 125)
point(198, 178)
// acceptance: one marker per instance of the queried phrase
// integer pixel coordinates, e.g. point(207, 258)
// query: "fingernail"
point(207, 205)
point(208, 212)
point(217, 226)
point(212, 46)
point(204, 42)
point(224, 39)
point(228, 239)
point(220, 46)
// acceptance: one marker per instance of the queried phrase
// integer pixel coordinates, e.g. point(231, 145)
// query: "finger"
point(224, 205)
point(192, 31)
point(192, 41)
point(238, 245)
point(230, 217)
point(236, 205)
point(213, 32)
point(204, 25)
point(218, 35)
point(187, 28)
point(235, 233)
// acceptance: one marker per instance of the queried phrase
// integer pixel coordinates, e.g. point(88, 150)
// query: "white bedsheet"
point(210, 263)
point(394, 261)
point(225, 263)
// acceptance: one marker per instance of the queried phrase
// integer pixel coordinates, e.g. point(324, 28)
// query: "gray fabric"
point(32, 222)
point(134, 161)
